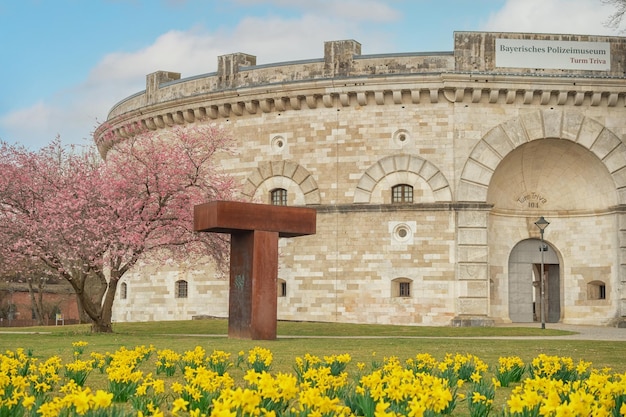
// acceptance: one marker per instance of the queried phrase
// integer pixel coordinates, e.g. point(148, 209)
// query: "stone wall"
point(483, 149)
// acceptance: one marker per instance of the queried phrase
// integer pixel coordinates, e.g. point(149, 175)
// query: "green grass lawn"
point(361, 341)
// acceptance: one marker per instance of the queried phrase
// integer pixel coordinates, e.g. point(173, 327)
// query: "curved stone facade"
point(485, 147)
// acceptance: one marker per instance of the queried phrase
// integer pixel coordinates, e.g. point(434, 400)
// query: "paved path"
point(582, 332)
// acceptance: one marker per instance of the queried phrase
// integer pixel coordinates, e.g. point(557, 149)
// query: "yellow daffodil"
point(179, 404)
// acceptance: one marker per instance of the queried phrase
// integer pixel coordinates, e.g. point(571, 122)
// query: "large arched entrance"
point(569, 169)
point(524, 282)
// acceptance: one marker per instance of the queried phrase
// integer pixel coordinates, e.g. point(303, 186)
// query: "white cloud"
point(552, 16)
point(35, 118)
point(195, 51)
point(175, 49)
point(276, 39)
point(37, 125)
point(353, 10)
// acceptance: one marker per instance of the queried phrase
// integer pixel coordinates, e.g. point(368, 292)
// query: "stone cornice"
point(354, 208)
point(391, 90)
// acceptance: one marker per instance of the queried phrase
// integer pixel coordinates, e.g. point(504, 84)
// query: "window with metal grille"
point(278, 197)
point(401, 287)
point(405, 289)
point(402, 193)
point(181, 289)
point(123, 291)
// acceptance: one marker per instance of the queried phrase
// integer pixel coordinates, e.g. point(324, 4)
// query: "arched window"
point(181, 289)
point(402, 287)
point(402, 193)
point(278, 197)
point(282, 288)
point(596, 290)
point(123, 291)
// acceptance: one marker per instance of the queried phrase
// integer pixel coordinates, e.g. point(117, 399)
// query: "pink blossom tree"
point(91, 220)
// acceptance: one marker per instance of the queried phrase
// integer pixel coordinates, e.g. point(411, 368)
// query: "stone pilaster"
point(472, 298)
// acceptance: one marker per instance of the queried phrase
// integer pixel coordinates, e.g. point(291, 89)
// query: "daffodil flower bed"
point(197, 383)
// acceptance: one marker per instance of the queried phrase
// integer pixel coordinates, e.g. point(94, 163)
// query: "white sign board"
point(567, 55)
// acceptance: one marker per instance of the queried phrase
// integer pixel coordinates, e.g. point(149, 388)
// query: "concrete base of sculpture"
point(254, 230)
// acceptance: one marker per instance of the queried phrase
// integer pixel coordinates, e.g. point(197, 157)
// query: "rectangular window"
point(602, 292)
point(123, 291)
point(405, 289)
point(279, 197)
point(402, 193)
point(596, 290)
point(181, 289)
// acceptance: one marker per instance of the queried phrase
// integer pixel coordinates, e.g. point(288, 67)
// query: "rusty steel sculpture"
point(254, 231)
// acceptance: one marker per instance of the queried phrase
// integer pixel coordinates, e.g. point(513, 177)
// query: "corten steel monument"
point(254, 230)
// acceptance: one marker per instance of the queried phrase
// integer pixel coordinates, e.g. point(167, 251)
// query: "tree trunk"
point(85, 304)
point(94, 303)
point(101, 326)
point(40, 307)
point(83, 317)
point(36, 301)
point(107, 304)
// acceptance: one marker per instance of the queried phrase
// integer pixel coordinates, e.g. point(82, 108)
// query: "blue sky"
point(65, 63)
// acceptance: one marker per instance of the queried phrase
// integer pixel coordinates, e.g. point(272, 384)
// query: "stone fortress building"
point(428, 172)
